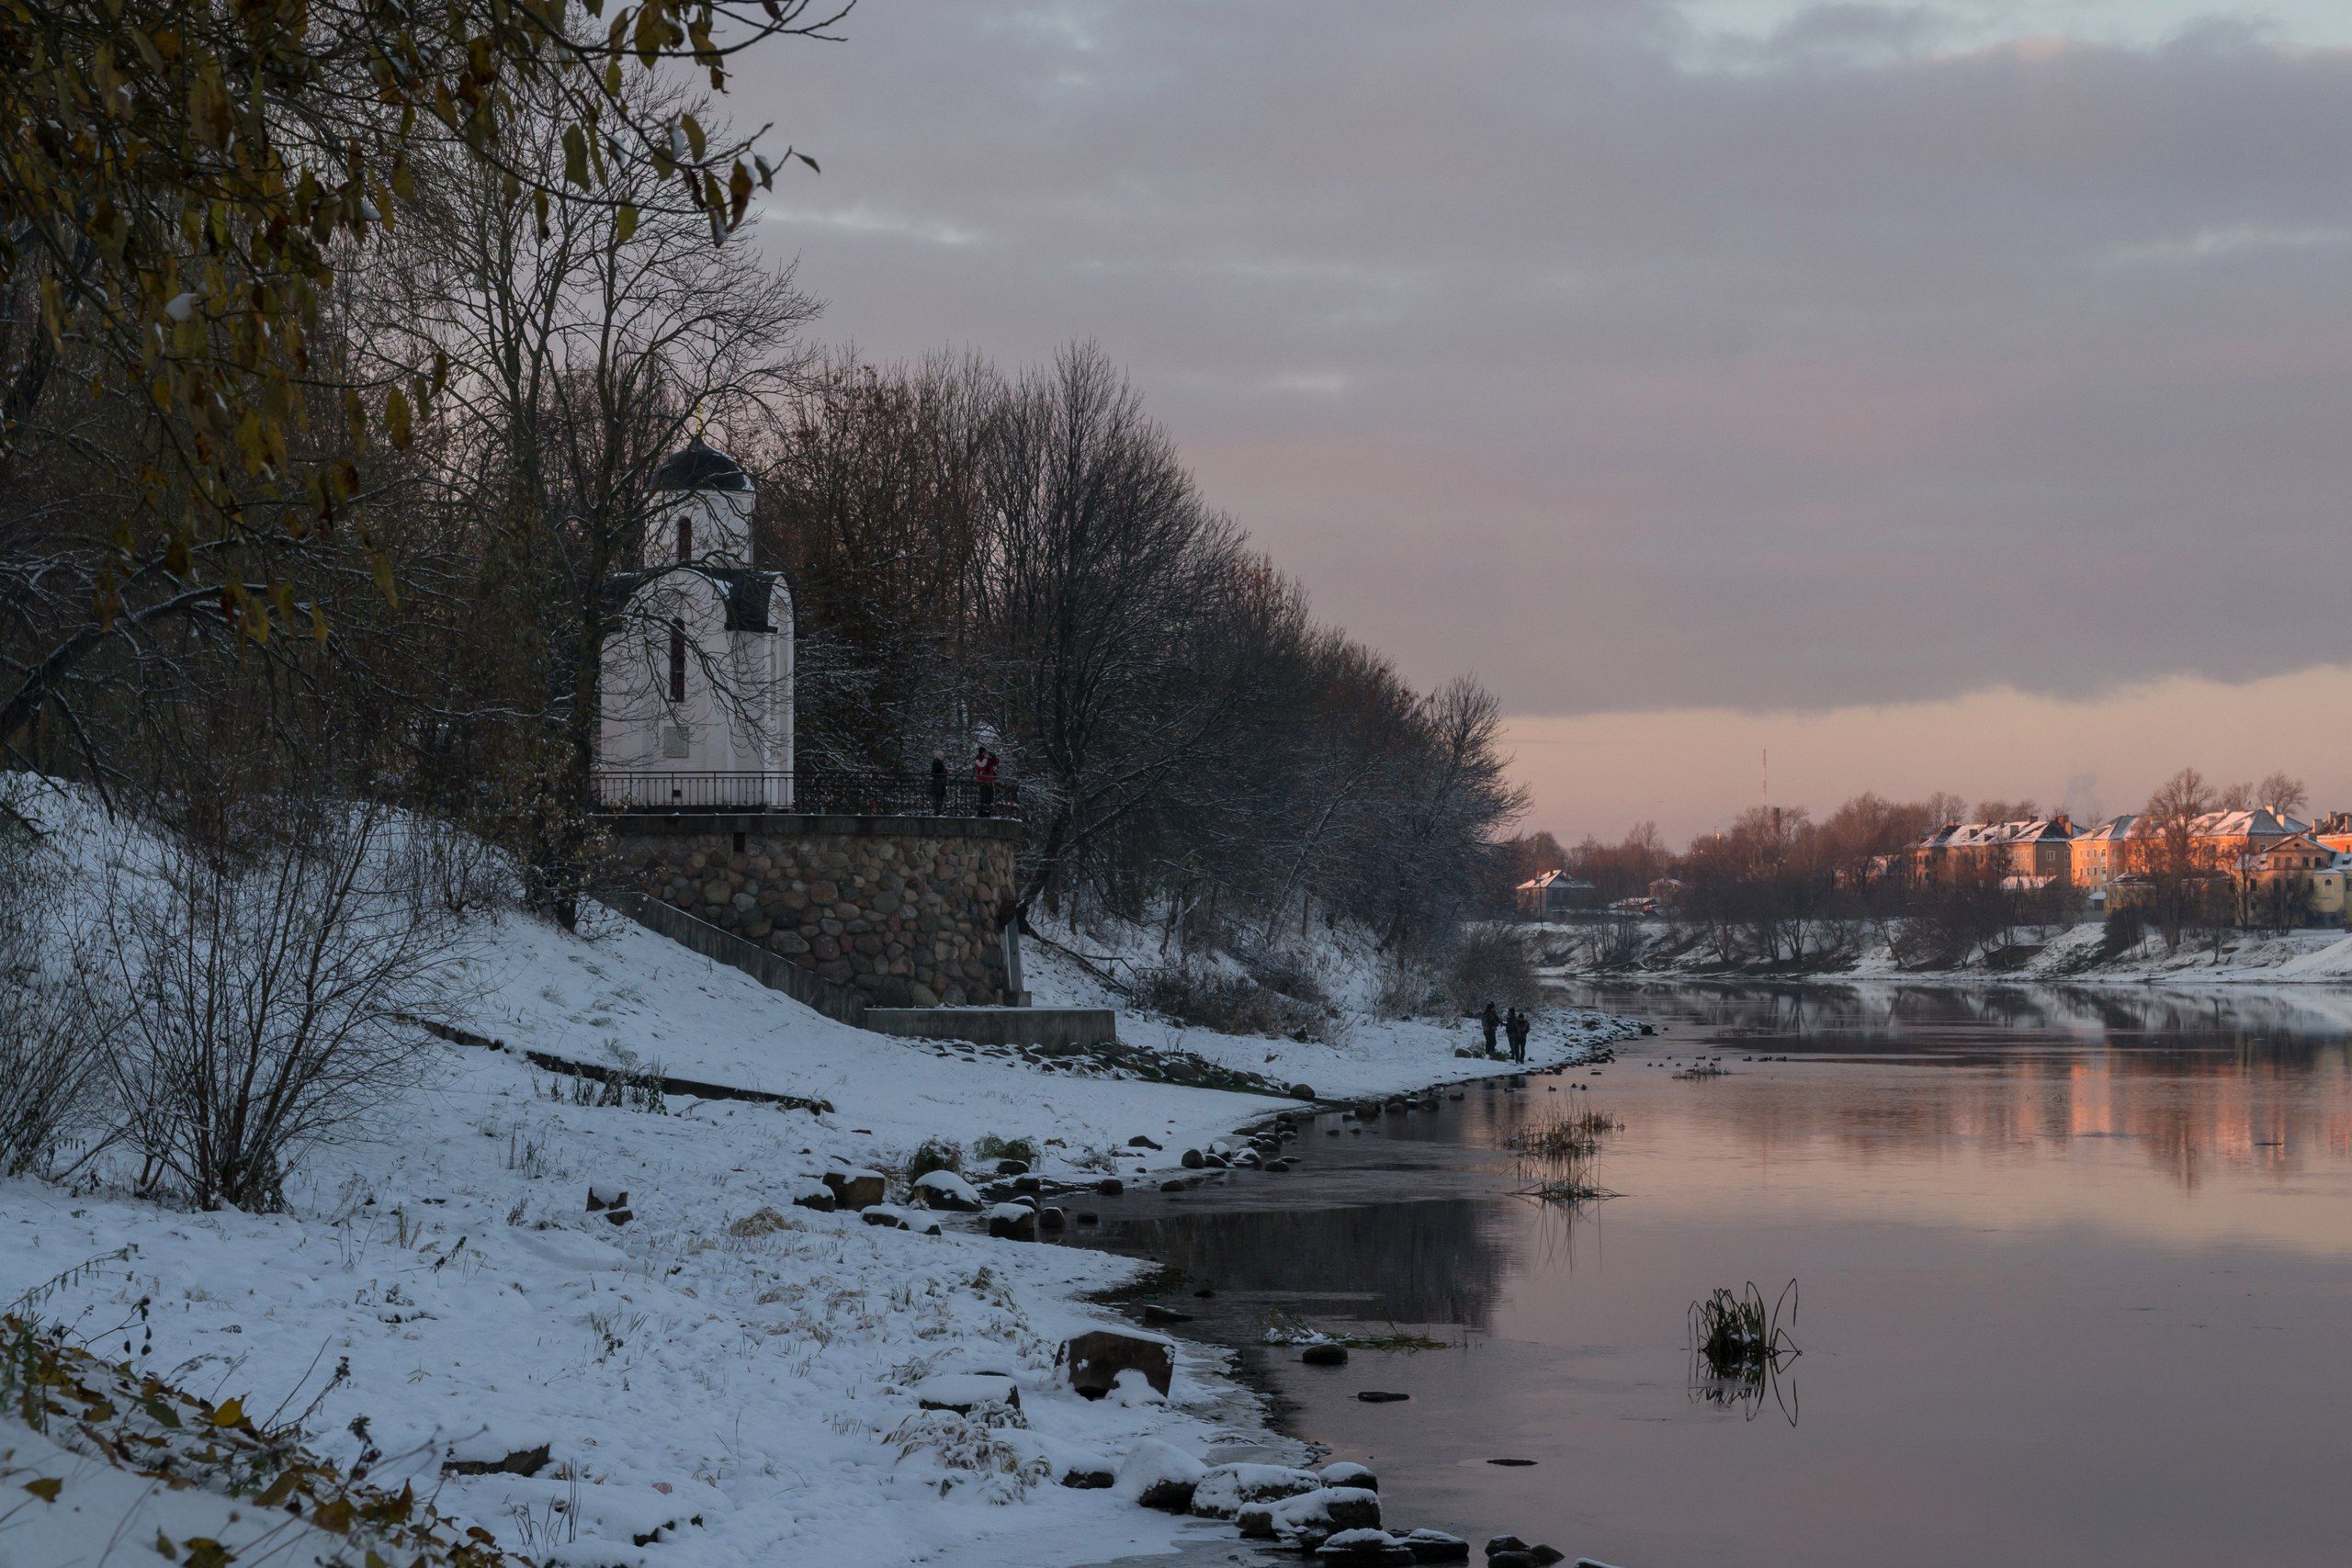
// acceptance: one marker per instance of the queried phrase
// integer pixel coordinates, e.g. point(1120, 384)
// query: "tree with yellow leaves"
point(181, 184)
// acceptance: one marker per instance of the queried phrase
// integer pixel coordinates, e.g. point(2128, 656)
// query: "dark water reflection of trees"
point(1437, 1260)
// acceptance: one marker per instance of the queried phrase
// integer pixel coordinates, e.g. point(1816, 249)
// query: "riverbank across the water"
point(615, 1328)
point(2079, 953)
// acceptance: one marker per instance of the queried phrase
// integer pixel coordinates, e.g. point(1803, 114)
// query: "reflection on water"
point(2076, 1274)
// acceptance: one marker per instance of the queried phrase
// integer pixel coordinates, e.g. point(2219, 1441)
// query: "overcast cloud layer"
point(1632, 356)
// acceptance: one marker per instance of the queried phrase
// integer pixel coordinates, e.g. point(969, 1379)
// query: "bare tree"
point(2175, 865)
point(2283, 792)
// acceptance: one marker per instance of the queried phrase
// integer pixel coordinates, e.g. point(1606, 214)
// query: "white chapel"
point(695, 697)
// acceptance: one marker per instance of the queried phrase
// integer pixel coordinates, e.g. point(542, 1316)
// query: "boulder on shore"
point(1227, 1488)
point(945, 1190)
point(1097, 1358)
point(856, 1188)
point(1160, 1475)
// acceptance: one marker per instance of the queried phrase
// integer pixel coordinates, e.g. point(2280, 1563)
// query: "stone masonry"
point(902, 909)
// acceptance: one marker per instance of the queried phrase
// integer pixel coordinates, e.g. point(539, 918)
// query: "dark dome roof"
point(700, 467)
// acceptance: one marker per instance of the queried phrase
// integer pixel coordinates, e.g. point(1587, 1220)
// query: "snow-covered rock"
point(1160, 1475)
point(945, 1190)
point(1132, 1387)
point(966, 1392)
point(1226, 1487)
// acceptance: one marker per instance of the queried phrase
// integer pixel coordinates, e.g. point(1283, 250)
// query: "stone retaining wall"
point(902, 909)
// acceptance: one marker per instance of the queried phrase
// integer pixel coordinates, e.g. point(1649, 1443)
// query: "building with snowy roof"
point(696, 698)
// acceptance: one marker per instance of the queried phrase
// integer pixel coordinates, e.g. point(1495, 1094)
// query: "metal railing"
point(822, 794)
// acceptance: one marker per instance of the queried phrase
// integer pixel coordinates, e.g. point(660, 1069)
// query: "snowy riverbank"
point(2074, 954)
point(727, 1378)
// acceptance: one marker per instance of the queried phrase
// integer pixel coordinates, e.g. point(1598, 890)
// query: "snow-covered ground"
point(2070, 954)
point(727, 1378)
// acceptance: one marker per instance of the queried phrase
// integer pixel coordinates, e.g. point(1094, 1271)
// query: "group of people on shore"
point(1512, 1025)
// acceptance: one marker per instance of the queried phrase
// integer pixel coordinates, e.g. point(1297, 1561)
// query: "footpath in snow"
point(726, 1377)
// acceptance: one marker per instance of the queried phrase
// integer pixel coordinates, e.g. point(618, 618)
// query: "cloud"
point(1895, 364)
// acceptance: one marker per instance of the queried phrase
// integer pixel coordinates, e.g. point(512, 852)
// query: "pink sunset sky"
point(1946, 396)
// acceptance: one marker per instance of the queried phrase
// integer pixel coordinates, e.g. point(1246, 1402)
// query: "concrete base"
point(999, 1026)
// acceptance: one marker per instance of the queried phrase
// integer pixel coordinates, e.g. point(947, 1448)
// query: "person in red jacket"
point(984, 764)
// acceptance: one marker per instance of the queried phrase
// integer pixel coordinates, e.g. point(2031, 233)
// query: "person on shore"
point(939, 783)
point(984, 778)
point(1518, 1023)
point(1489, 1021)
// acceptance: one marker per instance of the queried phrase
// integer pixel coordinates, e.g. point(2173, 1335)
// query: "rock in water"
point(1012, 1221)
point(1363, 1547)
point(1436, 1546)
point(1096, 1359)
point(1225, 1488)
point(1324, 1354)
point(1344, 1473)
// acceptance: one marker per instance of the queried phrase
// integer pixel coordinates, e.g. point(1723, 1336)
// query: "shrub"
point(2126, 928)
point(935, 1153)
point(267, 998)
point(990, 1147)
point(1229, 1004)
point(1407, 989)
point(51, 1087)
point(1489, 964)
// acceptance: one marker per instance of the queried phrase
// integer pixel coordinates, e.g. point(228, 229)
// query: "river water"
point(2074, 1285)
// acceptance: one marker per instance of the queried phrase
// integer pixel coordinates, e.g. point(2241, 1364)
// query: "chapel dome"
point(698, 466)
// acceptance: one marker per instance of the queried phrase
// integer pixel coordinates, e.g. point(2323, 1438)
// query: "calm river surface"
point(2075, 1271)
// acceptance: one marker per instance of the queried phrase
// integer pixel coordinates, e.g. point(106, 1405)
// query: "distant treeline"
point(1780, 887)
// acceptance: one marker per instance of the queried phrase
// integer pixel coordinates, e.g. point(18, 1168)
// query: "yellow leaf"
point(46, 1488)
point(575, 156)
point(624, 224)
point(396, 415)
point(164, 1548)
point(229, 1412)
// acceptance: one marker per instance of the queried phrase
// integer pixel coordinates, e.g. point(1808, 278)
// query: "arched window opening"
point(686, 540)
point(677, 662)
